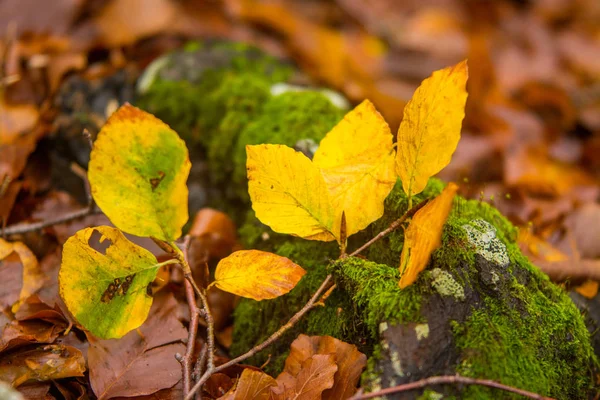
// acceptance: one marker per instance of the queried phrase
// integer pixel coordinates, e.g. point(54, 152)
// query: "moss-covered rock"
point(481, 309)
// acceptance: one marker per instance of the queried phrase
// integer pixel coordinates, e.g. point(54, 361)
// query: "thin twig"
point(452, 379)
point(393, 226)
point(192, 332)
point(313, 302)
point(36, 226)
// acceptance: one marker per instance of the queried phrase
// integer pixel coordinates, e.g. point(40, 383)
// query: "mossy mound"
point(219, 97)
point(480, 309)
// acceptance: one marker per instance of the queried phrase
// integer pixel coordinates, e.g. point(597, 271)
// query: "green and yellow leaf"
point(424, 235)
point(257, 274)
point(357, 160)
point(430, 128)
point(33, 277)
point(138, 171)
point(289, 193)
point(106, 291)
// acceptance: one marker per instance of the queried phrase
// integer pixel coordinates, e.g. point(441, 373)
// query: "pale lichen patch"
point(446, 285)
point(482, 235)
point(422, 331)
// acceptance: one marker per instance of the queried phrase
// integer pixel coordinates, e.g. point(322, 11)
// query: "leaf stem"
point(313, 302)
point(393, 226)
point(451, 379)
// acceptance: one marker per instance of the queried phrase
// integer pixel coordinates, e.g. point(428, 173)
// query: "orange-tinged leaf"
point(257, 274)
point(33, 277)
point(252, 385)
point(315, 375)
point(539, 247)
point(138, 171)
point(356, 159)
point(424, 234)
point(430, 128)
point(289, 193)
point(589, 289)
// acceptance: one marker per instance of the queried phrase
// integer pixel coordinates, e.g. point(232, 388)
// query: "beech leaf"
point(430, 128)
point(289, 193)
point(257, 275)
point(252, 385)
point(106, 291)
point(138, 171)
point(315, 376)
point(357, 160)
point(424, 235)
point(33, 277)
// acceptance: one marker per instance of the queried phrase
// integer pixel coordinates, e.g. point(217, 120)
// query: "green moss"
point(429, 394)
point(193, 90)
point(285, 119)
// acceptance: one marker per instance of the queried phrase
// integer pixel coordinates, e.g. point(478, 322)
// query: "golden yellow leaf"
point(138, 171)
point(424, 234)
point(107, 290)
point(430, 128)
point(588, 289)
point(356, 159)
point(257, 274)
point(289, 193)
point(33, 277)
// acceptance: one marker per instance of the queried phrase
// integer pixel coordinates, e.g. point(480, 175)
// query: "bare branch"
point(441, 380)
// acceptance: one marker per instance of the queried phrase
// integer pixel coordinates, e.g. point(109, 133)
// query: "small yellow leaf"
point(430, 128)
point(138, 171)
point(106, 290)
point(33, 277)
point(356, 159)
point(257, 274)
point(424, 234)
point(289, 193)
point(588, 289)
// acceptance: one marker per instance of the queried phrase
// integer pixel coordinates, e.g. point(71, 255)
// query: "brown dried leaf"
point(42, 364)
point(252, 385)
point(315, 376)
point(137, 365)
point(349, 360)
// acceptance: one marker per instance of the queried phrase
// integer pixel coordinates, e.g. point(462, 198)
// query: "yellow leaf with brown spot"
point(424, 235)
point(138, 171)
point(258, 275)
point(33, 277)
point(289, 193)
point(105, 281)
point(356, 159)
point(430, 128)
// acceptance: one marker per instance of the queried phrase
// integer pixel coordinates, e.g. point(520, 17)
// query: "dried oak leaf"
point(141, 362)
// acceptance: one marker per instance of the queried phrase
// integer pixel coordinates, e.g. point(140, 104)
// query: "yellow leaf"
point(288, 192)
point(356, 159)
point(588, 289)
point(33, 277)
point(424, 234)
point(106, 290)
point(430, 128)
point(138, 171)
point(257, 274)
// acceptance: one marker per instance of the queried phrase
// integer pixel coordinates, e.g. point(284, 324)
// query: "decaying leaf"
point(289, 193)
point(349, 360)
point(430, 128)
point(42, 364)
point(258, 275)
point(141, 362)
point(424, 234)
point(252, 385)
point(315, 376)
point(356, 159)
point(33, 277)
point(138, 171)
point(106, 291)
